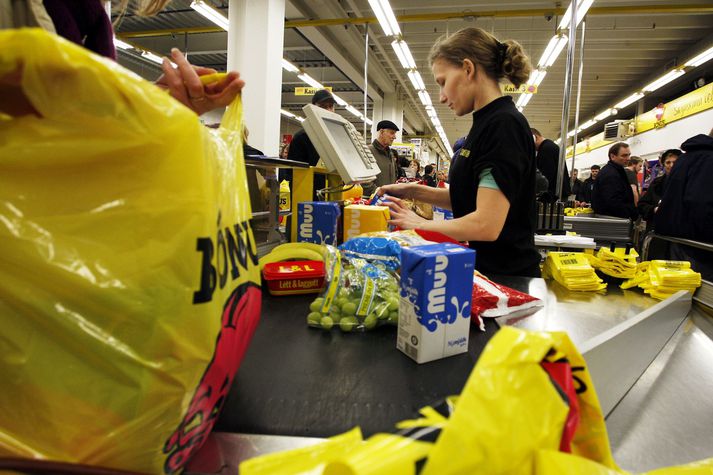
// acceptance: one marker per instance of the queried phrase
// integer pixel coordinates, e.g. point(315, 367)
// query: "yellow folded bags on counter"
point(129, 286)
point(661, 279)
point(573, 271)
point(620, 262)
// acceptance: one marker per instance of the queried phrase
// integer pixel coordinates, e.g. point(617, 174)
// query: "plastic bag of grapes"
point(359, 296)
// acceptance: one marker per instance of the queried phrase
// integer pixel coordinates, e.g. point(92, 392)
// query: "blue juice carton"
point(436, 295)
point(441, 214)
point(317, 222)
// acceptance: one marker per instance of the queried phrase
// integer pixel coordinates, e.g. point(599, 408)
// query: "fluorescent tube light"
point(287, 113)
point(339, 100)
point(629, 100)
point(425, 98)
point(605, 114)
point(582, 8)
point(416, 80)
point(121, 44)
point(537, 76)
point(385, 15)
point(553, 49)
point(152, 57)
point(353, 111)
point(210, 13)
point(663, 80)
point(289, 67)
point(571, 133)
point(404, 54)
point(368, 121)
point(310, 80)
point(701, 58)
point(435, 121)
point(586, 125)
point(523, 100)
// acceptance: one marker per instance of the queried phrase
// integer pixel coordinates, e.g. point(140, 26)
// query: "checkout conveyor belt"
point(304, 383)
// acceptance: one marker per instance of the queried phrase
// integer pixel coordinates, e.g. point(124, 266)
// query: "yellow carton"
point(360, 219)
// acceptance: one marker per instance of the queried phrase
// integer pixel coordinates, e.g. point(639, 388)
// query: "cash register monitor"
point(340, 145)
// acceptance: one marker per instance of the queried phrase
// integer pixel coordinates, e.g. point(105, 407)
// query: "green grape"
point(370, 321)
point(393, 318)
point(347, 324)
point(349, 308)
point(340, 301)
point(314, 318)
point(316, 305)
point(393, 304)
point(326, 323)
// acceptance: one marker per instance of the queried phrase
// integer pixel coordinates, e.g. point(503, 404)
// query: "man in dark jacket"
point(649, 202)
point(686, 208)
point(585, 193)
point(548, 158)
point(612, 194)
point(386, 158)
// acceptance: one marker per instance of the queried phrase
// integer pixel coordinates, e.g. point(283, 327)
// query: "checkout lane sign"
point(523, 89)
point(309, 91)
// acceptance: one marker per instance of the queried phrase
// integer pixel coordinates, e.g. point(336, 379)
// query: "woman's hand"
point(184, 84)
point(402, 216)
point(401, 190)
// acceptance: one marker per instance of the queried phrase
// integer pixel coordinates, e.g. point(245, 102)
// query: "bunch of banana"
point(294, 250)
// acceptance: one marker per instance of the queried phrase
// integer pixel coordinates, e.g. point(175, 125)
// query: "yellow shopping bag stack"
point(668, 277)
point(573, 271)
point(619, 262)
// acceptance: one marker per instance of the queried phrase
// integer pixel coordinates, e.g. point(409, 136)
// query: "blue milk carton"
point(436, 294)
point(317, 222)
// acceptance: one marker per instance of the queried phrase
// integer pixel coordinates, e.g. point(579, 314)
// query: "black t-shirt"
point(500, 139)
point(548, 158)
point(302, 150)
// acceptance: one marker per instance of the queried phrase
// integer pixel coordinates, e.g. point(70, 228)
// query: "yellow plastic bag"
point(129, 283)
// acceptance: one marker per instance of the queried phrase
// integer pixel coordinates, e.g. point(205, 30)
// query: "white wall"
point(651, 143)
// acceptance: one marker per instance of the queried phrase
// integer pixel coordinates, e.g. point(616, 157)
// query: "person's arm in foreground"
point(436, 196)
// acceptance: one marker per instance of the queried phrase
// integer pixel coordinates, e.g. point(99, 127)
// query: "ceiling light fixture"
point(582, 8)
point(385, 15)
point(605, 114)
point(339, 100)
point(663, 80)
point(425, 98)
point(153, 57)
point(404, 54)
point(523, 100)
point(553, 49)
point(289, 67)
point(210, 13)
point(122, 44)
point(696, 61)
point(629, 100)
point(310, 80)
point(416, 80)
point(536, 77)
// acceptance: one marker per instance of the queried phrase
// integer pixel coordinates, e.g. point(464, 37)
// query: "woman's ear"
point(469, 69)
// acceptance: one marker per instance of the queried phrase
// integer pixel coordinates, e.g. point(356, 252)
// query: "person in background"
point(576, 184)
point(585, 195)
point(548, 156)
point(284, 150)
point(301, 148)
point(649, 203)
point(632, 170)
point(430, 176)
point(414, 170)
point(492, 182)
point(441, 179)
point(686, 208)
point(612, 194)
point(386, 158)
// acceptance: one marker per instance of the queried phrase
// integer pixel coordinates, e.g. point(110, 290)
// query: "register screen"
point(347, 148)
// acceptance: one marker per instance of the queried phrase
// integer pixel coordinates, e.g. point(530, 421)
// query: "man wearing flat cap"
point(301, 148)
point(386, 158)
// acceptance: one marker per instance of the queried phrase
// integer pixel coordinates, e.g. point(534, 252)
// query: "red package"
point(494, 300)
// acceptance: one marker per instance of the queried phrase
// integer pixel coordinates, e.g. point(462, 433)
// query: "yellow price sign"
point(309, 91)
point(523, 89)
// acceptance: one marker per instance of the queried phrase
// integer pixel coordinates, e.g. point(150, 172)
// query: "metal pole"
point(579, 93)
point(567, 92)
point(366, 81)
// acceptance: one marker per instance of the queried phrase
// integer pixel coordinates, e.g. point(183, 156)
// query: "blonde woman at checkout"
point(492, 181)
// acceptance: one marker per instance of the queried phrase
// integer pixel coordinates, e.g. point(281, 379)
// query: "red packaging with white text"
point(494, 300)
point(294, 277)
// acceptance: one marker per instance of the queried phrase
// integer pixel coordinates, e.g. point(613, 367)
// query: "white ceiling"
point(627, 44)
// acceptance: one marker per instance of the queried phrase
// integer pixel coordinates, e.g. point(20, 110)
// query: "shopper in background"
point(429, 176)
point(576, 183)
point(441, 179)
point(686, 208)
point(548, 157)
point(386, 158)
point(612, 194)
point(632, 170)
point(492, 182)
point(649, 203)
point(585, 195)
point(414, 170)
point(301, 148)
point(284, 150)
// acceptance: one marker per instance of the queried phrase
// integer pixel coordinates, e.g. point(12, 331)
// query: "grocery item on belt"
point(359, 296)
point(359, 219)
point(441, 214)
point(573, 271)
point(317, 222)
point(491, 299)
point(436, 294)
point(382, 246)
point(294, 277)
